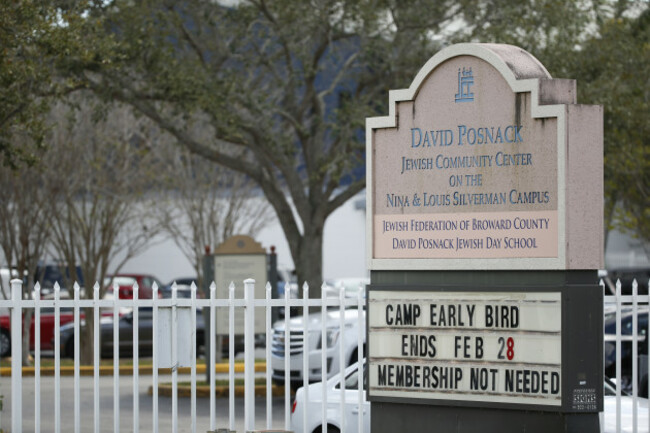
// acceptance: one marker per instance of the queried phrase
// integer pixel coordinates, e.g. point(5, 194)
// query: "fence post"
point(16, 355)
point(249, 354)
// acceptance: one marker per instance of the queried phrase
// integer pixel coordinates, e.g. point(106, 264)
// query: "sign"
point(473, 168)
point(235, 260)
point(485, 185)
point(493, 346)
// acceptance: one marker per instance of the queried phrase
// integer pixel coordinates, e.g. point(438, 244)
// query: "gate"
point(170, 322)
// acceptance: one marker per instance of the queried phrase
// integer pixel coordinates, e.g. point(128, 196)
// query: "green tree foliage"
point(284, 88)
point(37, 38)
point(22, 76)
point(614, 70)
point(605, 46)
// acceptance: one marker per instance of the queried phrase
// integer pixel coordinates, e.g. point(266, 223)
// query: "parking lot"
point(47, 410)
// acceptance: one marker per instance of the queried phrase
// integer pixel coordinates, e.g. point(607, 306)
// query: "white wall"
point(343, 249)
point(623, 251)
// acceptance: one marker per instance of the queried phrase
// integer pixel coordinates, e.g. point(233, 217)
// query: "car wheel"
point(330, 429)
point(5, 343)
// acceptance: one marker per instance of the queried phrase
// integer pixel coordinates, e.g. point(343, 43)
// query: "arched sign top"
point(512, 62)
point(470, 169)
point(240, 244)
point(520, 69)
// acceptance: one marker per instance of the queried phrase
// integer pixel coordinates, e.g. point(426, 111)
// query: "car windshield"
point(184, 281)
point(352, 380)
point(626, 323)
point(48, 275)
point(610, 388)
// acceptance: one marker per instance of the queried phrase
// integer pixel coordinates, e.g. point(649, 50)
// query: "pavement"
point(164, 388)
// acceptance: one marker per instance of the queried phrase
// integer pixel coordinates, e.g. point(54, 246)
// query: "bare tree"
point(204, 203)
point(24, 224)
point(104, 170)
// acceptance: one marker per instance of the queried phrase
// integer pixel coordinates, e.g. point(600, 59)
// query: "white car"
point(627, 406)
point(351, 287)
point(337, 339)
point(313, 409)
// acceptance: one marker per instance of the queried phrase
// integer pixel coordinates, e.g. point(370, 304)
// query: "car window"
point(610, 388)
point(351, 381)
point(145, 313)
point(49, 274)
point(626, 324)
point(186, 281)
point(643, 324)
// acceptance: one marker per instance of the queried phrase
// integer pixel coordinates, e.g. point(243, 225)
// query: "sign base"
point(393, 417)
point(581, 353)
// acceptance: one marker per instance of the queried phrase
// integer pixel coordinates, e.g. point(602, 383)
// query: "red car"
point(47, 329)
point(125, 284)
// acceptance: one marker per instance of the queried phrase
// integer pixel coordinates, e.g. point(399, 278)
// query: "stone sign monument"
point(485, 234)
point(235, 260)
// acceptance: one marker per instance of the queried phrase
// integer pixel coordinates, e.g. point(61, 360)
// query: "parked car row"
point(47, 318)
point(145, 334)
point(52, 274)
point(66, 315)
point(125, 283)
point(49, 274)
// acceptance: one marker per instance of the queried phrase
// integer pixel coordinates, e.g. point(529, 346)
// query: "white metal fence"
point(172, 309)
point(626, 358)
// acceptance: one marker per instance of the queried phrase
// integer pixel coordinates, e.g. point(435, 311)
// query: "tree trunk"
point(27, 320)
point(86, 338)
point(308, 259)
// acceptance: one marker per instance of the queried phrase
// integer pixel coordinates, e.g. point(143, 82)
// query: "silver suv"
point(336, 340)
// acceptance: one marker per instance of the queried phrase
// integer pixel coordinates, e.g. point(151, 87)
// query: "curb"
point(127, 370)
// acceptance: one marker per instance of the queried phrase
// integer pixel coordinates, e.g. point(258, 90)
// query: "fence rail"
point(622, 314)
point(168, 314)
